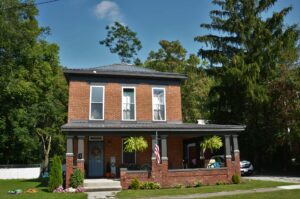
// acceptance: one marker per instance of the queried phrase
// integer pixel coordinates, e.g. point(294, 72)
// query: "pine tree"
point(246, 51)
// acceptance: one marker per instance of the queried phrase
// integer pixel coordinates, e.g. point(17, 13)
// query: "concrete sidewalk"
point(229, 193)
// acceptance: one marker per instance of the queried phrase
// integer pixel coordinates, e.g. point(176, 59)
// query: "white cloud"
point(108, 10)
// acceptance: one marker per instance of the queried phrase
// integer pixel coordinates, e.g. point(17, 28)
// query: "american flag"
point(156, 152)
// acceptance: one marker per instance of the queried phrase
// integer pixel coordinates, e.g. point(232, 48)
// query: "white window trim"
point(122, 140)
point(103, 102)
point(134, 90)
point(153, 88)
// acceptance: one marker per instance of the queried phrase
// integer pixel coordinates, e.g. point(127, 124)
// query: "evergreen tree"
point(247, 52)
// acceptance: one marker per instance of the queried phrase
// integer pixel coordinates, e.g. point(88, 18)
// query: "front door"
point(96, 162)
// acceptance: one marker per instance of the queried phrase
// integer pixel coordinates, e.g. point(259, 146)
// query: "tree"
point(171, 57)
point(55, 176)
point(123, 41)
point(246, 53)
point(32, 86)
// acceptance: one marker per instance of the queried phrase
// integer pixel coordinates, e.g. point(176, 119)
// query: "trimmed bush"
point(55, 176)
point(150, 185)
point(77, 178)
point(135, 184)
point(236, 179)
point(198, 184)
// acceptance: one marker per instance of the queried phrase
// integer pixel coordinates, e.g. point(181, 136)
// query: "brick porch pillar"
point(228, 157)
point(160, 171)
point(80, 158)
point(236, 155)
point(69, 160)
point(164, 158)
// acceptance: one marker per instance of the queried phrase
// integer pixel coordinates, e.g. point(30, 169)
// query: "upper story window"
point(159, 104)
point(128, 103)
point(97, 103)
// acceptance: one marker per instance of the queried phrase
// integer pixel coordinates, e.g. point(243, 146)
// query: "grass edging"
point(245, 185)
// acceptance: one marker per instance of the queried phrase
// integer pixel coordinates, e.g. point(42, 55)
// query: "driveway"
point(275, 178)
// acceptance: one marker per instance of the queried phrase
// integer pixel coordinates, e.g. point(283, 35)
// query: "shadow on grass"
point(42, 183)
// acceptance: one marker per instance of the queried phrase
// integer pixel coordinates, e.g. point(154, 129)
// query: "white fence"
point(19, 172)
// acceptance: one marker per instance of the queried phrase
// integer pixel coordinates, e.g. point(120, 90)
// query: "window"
point(97, 103)
point(128, 104)
point(127, 157)
point(159, 104)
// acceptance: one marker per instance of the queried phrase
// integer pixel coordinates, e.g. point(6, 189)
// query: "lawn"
point(6, 185)
point(246, 184)
point(290, 194)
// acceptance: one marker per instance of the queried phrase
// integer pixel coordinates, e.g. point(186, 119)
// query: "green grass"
point(6, 185)
point(290, 194)
point(246, 184)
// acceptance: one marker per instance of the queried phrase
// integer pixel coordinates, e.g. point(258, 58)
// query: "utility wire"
point(31, 4)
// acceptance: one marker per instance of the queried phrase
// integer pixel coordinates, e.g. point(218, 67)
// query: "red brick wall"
point(79, 98)
point(173, 103)
point(144, 102)
point(175, 151)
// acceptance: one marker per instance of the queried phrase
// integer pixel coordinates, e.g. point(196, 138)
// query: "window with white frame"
point(127, 157)
point(96, 103)
point(128, 104)
point(159, 104)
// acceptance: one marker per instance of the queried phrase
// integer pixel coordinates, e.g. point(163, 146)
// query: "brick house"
point(110, 103)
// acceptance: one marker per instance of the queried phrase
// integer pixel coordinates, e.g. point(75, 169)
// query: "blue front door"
point(96, 162)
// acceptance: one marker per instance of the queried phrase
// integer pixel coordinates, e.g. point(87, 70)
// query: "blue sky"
point(77, 26)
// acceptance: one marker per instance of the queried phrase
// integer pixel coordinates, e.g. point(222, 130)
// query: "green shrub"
point(55, 176)
point(179, 186)
point(77, 178)
point(198, 184)
point(236, 179)
point(135, 184)
point(221, 183)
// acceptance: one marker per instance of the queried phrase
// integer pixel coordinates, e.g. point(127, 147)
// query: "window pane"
point(128, 95)
point(128, 104)
point(97, 94)
point(159, 96)
point(158, 104)
point(132, 111)
point(97, 111)
point(162, 112)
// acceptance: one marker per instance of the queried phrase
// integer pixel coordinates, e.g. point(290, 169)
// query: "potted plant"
point(135, 144)
point(210, 143)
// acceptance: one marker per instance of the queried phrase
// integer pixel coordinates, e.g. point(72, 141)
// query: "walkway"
point(111, 194)
point(274, 178)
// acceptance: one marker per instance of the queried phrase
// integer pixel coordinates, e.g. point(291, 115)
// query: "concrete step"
point(102, 188)
point(92, 185)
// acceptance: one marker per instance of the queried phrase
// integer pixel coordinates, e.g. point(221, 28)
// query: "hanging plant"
point(212, 143)
point(135, 144)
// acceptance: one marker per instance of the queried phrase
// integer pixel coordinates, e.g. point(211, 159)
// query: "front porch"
point(99, 153)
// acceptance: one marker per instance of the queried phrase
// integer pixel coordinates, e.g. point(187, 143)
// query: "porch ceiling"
point(134, 128)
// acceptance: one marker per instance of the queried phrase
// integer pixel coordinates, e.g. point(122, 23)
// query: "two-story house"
point(110, 103)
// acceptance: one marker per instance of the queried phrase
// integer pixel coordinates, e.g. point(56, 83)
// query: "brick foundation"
point(170, 178)
point(80, 164)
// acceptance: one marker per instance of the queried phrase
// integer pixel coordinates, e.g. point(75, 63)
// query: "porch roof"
point(150, 127)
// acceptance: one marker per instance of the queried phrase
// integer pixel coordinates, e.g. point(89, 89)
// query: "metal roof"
point(148, 126)
point(124, 70)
